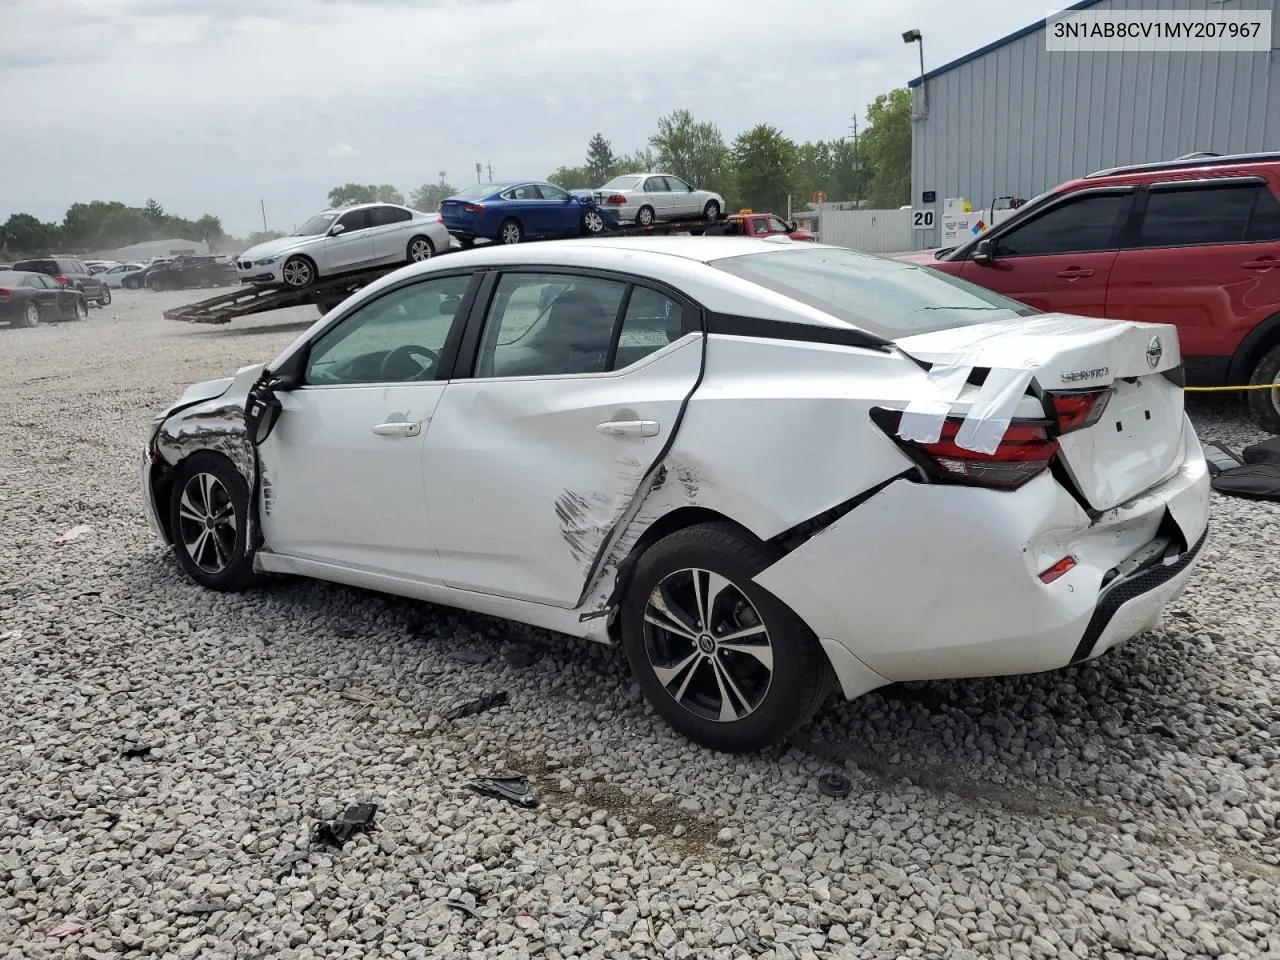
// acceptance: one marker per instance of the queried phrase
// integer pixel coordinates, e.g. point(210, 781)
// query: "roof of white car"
point(604, 251)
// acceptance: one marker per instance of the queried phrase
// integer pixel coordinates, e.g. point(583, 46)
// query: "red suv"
point(1193, 242)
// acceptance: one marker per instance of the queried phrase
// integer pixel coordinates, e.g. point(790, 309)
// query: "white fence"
point(871, 231)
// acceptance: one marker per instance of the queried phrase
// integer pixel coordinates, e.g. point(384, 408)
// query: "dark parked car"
point(136, 281)
point(182, 273)
point(71, 272)
point(27, 298)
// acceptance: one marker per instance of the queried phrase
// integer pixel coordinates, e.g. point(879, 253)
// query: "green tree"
point(641, 161)
point(261, 236)
point(209, 229)
point(887, 147)
point(571, 178)
point(600, 160)
point(155, 212)
point(691, 150)
point(350, 193)
point(764, 162)
point(24, 236)
point(429, 196)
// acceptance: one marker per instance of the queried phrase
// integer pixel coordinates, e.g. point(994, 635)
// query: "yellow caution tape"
point(1256, 386)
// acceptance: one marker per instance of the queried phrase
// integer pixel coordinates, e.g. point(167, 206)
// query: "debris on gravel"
point(168, 750)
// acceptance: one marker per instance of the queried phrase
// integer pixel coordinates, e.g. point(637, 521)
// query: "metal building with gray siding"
point(1013, 119)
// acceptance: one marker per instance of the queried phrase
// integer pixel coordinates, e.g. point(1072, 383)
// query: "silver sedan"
point(645, 198)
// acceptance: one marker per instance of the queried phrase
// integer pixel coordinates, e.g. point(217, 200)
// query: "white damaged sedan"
point(768, 470)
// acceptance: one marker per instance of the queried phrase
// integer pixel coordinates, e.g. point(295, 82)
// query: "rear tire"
point(419, 249)
point(773, 677)
point(30, 315)
point(644, 217)
point(82, 308)
point(208, 520)
point(105, 299)
point(510, 232)
point(1264, 405)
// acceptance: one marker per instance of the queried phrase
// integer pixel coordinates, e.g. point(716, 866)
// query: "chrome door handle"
point(629, 428)
point(398, 428)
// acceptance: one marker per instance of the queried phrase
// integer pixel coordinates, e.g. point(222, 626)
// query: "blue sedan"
point(520, 210)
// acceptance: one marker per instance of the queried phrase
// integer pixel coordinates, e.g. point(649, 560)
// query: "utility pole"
point(479, 167)
point(857, 162)
point(442, 177)
point(491, 173)
point(263, 204)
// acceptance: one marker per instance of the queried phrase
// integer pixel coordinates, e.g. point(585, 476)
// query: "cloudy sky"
point(210, 105)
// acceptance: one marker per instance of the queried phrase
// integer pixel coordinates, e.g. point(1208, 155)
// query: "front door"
point(342, 473)
point(562, 214)
point(1059, 260)
point(531, 463)
point(351, 248)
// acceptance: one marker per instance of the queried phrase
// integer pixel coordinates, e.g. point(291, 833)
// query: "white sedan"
point(114, 276)
point(335, 242)
point(768, 470)
point(647, 198)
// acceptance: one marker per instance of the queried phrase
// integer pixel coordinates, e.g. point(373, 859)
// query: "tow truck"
point(251, 299)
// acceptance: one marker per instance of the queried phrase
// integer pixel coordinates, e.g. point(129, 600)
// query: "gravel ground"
point(1128, 807)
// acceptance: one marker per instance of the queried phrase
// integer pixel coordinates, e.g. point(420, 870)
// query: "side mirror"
point(262, 407)
point(984, 252)
point(792, 227)
point(336, 229)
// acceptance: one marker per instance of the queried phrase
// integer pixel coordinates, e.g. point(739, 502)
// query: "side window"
point(34, 281)
point(397, 338)
point(527, 192)
point(650, 323)
point(1264, 223)
point(354, 220)
point(759, 225)
point(550, 192)
point(677, 185)
point(385, 216)
point(1083, 225)
point(40, 280)
point(1197, 215)
point(656, 185)
point(549, 324)
point(777, 225)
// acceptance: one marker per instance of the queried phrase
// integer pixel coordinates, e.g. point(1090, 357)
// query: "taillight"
point(1078, 409)
point(617, 199)
point(4, 294)
point(1024, 453)
point(1050, 574)
point(61, 281)
point(474, 208)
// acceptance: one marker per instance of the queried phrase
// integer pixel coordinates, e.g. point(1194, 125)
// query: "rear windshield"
point(37, 266)
point(479, 190)
point(621, 183)
point(885, 297)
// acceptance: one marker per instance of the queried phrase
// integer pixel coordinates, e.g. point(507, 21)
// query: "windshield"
point(479, 190)
point(622, 183)
point(886, 297)
point(316, 225)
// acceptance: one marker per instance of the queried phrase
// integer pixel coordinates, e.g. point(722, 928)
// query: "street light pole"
point(916, 37)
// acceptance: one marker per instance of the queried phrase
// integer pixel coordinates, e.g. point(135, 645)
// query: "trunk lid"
point(1137, 442)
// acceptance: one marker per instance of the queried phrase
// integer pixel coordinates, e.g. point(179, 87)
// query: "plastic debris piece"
point(459, 905)
point(335, 833)
point(141, 750)
point(66, 929)
point(514, 788)
point(834, 785)
point(75, 533)
point(469, 708)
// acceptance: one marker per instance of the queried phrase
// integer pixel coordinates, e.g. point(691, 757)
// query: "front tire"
point(298, 272)
point(644, 217)
point(592, 223)
point(419, 249)
point(510, 232)
point(208, 521)
point(1264, 405)
point(718, 657)
point(711, 211)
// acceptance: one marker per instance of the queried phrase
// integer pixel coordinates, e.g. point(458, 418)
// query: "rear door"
point(1204, 256)
point(533, 460)
point(657, 195)
point(1061, 258)
point(389, 229)
point(53, 301)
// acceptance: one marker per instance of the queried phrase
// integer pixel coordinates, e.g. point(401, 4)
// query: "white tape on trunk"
point(924, 416)
point(989, 417)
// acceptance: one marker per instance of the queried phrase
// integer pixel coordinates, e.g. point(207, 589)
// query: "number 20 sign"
point(922, 219)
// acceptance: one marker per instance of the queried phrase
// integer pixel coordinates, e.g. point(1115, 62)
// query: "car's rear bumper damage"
point(965, 597)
